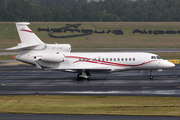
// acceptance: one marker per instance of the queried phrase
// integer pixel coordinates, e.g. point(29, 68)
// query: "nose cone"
point(170, 64)
point(165, 64)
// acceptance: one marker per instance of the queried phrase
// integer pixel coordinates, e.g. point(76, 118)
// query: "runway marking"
point(174, 76)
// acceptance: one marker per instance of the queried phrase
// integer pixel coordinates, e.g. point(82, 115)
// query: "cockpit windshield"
point(158, 57)
point(155, 57)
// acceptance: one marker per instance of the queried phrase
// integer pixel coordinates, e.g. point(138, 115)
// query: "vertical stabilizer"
point(26, 34)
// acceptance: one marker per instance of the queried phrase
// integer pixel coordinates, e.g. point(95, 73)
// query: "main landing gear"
point(83, 75)
point(151, 76)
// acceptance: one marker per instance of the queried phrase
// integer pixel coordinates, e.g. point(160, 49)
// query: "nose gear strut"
point(83, 75)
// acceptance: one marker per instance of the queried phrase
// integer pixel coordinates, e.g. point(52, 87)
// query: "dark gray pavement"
point(22, 79)
point(4, 116)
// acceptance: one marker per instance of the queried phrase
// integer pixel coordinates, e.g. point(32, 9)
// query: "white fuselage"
point(110, 61)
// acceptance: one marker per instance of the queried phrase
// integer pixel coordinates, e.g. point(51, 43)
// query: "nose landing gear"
point(151, 76)
point(83, 75)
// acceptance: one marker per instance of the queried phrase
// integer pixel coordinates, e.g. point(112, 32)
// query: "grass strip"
point(6, 57)
point(9, 36)
point(91, 105)
point(169, 55)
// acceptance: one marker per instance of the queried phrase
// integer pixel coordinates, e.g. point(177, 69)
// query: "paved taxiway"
point(17, 79)
point(4, 116)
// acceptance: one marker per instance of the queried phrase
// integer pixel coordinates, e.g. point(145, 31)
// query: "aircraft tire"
point(151, 77)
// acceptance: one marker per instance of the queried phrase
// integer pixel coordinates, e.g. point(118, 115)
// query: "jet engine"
point(53, 58)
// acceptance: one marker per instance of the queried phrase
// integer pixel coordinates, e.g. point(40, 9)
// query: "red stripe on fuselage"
point(107, 63)
point(26, 30)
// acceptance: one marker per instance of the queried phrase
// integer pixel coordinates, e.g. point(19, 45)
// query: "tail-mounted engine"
point(61, 48)
point(53, 55)
point(53, 58)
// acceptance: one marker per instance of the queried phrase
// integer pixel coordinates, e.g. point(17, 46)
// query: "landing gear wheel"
point(78, 77)
point(151, 77)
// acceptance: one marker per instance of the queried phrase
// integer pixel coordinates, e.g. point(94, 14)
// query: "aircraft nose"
point(170, 64)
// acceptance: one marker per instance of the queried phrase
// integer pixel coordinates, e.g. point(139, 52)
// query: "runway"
point(23, 79)
point(4, 116)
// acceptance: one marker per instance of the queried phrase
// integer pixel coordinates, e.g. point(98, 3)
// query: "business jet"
point(59, 57)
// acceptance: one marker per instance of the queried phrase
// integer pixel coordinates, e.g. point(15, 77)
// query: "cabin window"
point(122, 59)
point(79, 59)
point(114, 59)
point(129, 59)
point(153, 57)
point(134, 59)
point(94, 59)
point(126, 59)
point(83, 59)
point(99, 59)
point(110, 59)
point(106, 59)
point(118, 59)
point(103, 59)
point(87, 59)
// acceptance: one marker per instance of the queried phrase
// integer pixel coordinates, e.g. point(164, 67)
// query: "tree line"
point(82, 11)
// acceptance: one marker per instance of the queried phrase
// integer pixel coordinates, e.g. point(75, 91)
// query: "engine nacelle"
point(53, 58)
point(66, 48)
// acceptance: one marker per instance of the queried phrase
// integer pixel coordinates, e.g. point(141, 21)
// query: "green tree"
point(77, 13)
point(82, 2)
point(37, 13)
point(140, 11)
point(18, 10)
point(60, 14)
point(81, 10)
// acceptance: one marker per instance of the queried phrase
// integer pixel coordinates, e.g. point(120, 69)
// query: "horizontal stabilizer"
point(22, 46)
